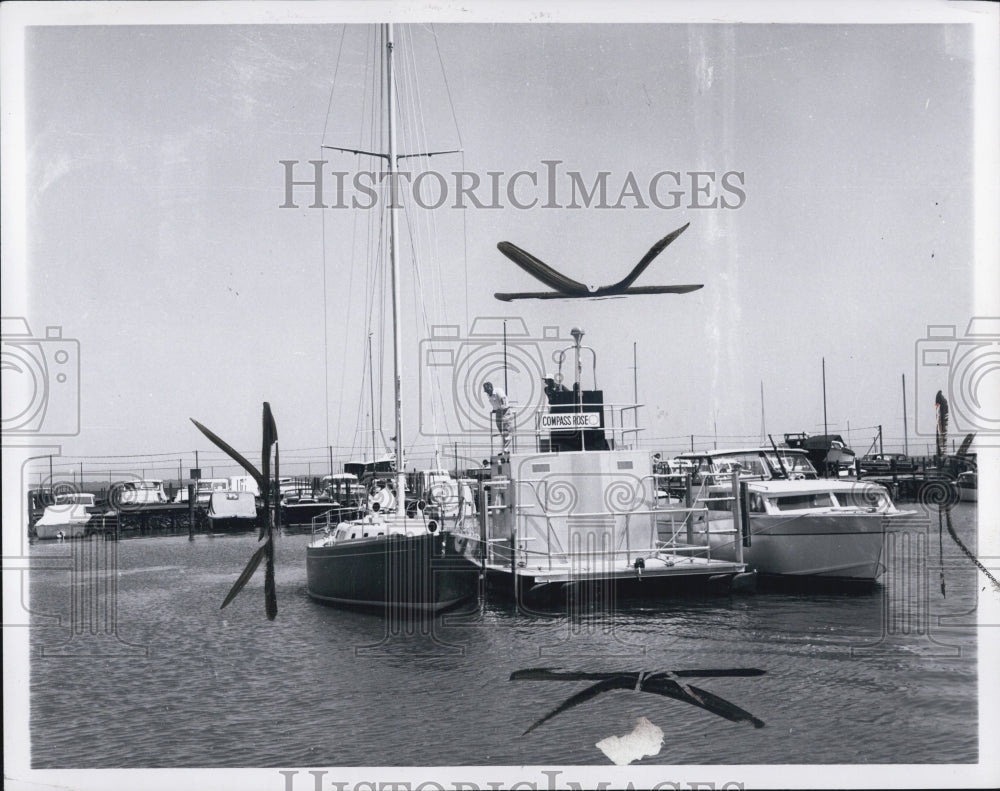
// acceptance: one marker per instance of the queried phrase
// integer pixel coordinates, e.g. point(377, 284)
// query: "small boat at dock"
point(578, 514)
point(793, 524)
point(828, 453)
point(340, 496)
point(128, 494)
point(968, 486)
point(400, 556)
point(232, 512)
point(71, 516)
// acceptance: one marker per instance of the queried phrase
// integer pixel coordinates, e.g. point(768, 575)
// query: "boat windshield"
point(863, 498)
point(749, 464)
point(801, 502)
point(75, 498)
point(795, 464)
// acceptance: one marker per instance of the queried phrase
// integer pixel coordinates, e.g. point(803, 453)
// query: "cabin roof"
point(812, 486)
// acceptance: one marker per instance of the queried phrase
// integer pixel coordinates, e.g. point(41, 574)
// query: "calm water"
point(140, 668)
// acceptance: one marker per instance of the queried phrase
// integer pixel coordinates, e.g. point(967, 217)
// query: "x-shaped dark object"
point(568, 288)
point(667, 683)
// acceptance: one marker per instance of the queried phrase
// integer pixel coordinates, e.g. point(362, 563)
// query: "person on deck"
point(551, 387)
point(500, 408)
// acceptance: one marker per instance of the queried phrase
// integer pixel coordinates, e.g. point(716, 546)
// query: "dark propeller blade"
point(664, 683)
point(542, 271)
point(699, 697)
point(546, 674)
point(567, 287)
point(591, 692)
point(647, 259)
point(599, 294)
point(687, 289)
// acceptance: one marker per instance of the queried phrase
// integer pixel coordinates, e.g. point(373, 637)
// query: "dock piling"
point(191, 512)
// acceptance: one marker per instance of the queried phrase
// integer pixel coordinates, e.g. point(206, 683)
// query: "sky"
point(155, 234)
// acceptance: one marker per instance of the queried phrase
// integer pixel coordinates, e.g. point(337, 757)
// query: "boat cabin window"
point(750, 465)
point(799, 502)
point(798, 464)
point(863, 498)
point(757, 504)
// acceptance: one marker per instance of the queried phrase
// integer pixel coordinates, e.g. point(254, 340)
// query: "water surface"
point(133, 664)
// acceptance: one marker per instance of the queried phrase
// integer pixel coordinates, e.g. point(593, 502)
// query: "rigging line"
point(427, 216)
point(326, 333)
point(333, 86)
point(353, 249)
point(326, 330)
point(375, 287)
point(366, 134)
point(465, 255)
point(461, 146)
point(442, 277)
point(420, 307)
point(373, 248)
point(447, 87)
point(424, 222)
point(369, 294)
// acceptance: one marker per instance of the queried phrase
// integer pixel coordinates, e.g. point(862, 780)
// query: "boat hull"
point(968, 495)
point(67, 530)
point(968, 489)
point(835, 547)
point(232, 524)
point(298, 514)
point(429, 572)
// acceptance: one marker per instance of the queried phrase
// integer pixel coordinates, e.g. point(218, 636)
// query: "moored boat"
point(204, 489)
point(339, 497)
point(232, 512)
point(137, 493)
point(397, 557)
point(968, 486)
point(578, 514)
point(802, 527)
point(71, 516)
point(828, 453)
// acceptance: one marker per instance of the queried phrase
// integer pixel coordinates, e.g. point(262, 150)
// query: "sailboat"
point(400, 555)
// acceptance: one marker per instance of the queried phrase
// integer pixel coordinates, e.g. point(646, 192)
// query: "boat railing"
point(618, 435)
point(620, 431)
point(331, 517)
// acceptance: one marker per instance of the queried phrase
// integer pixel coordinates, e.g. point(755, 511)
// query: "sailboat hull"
point(429, 572)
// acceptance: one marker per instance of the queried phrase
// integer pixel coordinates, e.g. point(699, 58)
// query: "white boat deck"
point(657, 566)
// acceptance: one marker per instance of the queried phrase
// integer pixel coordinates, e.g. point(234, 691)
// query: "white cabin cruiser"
point(69, 517)
point(792, 526)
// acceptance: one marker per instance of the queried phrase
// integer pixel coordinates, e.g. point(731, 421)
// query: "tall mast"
point(397, 330)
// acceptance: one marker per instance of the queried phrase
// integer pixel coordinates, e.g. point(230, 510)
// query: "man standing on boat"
point(498, 402)
point(552, 387)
